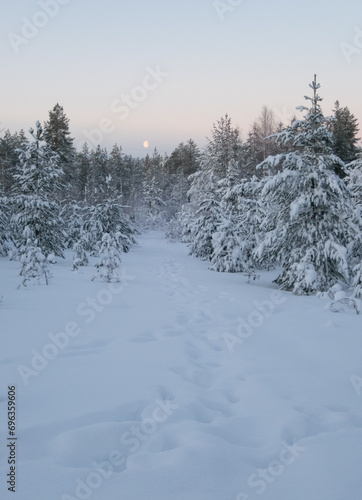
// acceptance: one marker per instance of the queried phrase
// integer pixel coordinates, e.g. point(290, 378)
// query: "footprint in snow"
point(165, 393)
point(85, 349)
point(201, 378)
point(143, 338)
point(232, 395)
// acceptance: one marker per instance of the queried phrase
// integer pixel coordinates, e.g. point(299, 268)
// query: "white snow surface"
point(186, 384)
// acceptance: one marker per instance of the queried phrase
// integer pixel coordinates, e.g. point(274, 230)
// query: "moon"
point(146, 144)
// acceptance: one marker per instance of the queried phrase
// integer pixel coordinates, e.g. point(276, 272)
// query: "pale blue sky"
point(91, 53)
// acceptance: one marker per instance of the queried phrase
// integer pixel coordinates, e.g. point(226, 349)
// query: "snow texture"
point(178, 383)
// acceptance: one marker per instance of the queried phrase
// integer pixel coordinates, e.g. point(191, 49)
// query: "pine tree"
point(83, 173)
point(57, 136)
point(224, 146)
point(38, 179)
point(345, 130)
point(117, 169)
point(185, 159)
point(99, 171)
point(132, 190)
point(310, 226)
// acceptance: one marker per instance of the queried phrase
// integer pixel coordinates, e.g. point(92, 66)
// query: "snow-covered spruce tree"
point(73, 214)
point(37, 180)
point(34, 264)
point(9, 158)
point(226, 241)
point(110, 259)
point(354, 183)
point(353, 180)
point(202, 183)
point(108, 216)
point(154, 206)
point(241, 216)
point(79, 254)
point(224, 147)
point(174, 228)
point(186, 218)
point(312, 226)
point(4, 225)
point(205, 223)
point(357, 280)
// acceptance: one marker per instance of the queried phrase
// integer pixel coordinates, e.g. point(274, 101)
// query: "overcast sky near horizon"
point(163, 72)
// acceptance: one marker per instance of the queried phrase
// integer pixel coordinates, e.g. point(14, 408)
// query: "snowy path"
point(186, 384)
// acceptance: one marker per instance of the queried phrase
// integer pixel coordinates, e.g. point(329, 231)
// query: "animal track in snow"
point(201, 378)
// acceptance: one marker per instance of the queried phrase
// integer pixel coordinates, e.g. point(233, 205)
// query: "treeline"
point(219, 199)
point(297, 205)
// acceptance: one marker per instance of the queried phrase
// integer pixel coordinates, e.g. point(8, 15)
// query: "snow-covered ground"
point(181, 384)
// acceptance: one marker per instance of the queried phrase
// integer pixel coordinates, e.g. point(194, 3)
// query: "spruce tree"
point(37, 181)
point(35, 266)
point(310, 228)
point(79, 254)
point(237, 235)
point(10, 144)
point(4, 226)
point(354, 183)
point(108, 216)
point(205, 222)
point(110, 259)
point(73, 215)
point(154, 206)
